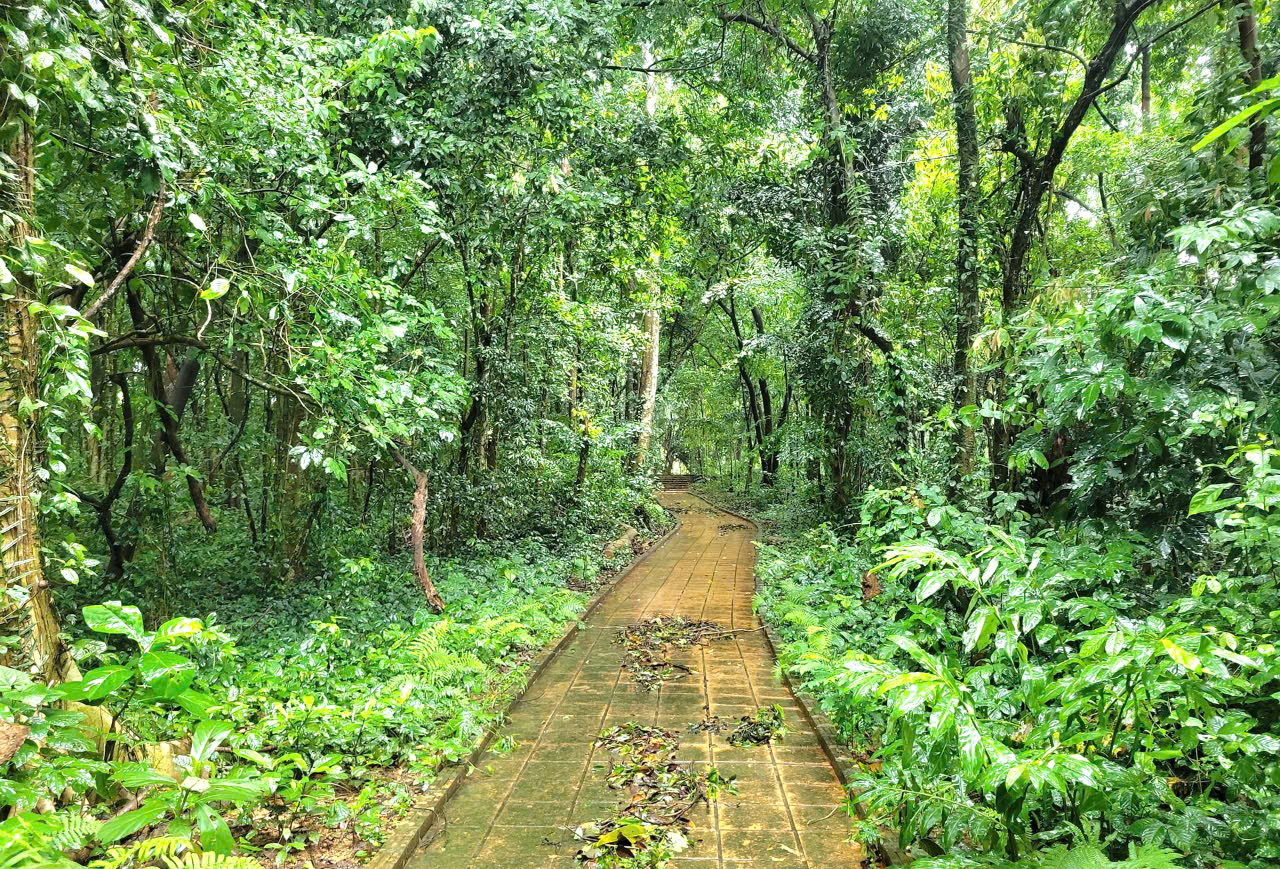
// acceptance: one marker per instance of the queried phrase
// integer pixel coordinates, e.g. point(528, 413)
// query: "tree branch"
point(766, 26)
point(144, 241)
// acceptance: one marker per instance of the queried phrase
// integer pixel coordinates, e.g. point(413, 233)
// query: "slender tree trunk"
point(238, 409)
point(26, 611)
point(648, 387)
point(119, 552)
point(369, 477)
point(1146, 88)
point(418, 520)
point(770, 423)
point(1247, 24)
point(968, 312)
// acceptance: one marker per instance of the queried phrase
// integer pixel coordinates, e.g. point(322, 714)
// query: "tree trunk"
point(168, 413)
point(1146, 88)
point(968, 313)
point(1247, 23)
point(648, 388)
point(1035, 181)
point(119, 551)
point(418, 520)
point(584, 458)
point(26, 611)
point(771, 424)
point(238, 410)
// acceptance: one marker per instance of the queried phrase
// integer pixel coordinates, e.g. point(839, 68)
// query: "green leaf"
point(214, 834)
point(178, 628)
point(235, 790)
point(98, 683)
point(1180, 655)
point(1237, 658)
point(1091, 393)
point(217, 289)
point(79, 274)
point(168, 674)
point(153, 665)
point(138, 775)
point(982, 624)
point(1267, 84)
point(195, 702)
point(131, 822)
point(930, 586)
point(114, 617)
point(1233, 122)
point(1207, 499)
point(207, 738)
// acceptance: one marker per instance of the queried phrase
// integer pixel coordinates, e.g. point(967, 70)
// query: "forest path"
point(520, 809)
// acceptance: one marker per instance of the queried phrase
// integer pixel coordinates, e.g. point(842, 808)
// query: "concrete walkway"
point(520, 809)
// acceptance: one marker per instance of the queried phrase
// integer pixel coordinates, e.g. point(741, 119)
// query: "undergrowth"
point(1001, 711)
point(287, 718)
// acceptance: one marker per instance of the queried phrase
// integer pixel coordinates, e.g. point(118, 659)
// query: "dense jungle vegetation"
point(341, 335)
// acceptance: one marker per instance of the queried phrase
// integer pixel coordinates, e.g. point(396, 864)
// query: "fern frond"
point(210, 860)
point(160, 848)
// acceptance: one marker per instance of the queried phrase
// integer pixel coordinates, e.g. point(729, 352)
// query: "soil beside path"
point(520, 809)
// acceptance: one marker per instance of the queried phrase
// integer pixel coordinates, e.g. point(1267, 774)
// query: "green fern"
point(160, 848)
point(29, 839)
point(75, 831)
point(170, 852)
point(210, 860)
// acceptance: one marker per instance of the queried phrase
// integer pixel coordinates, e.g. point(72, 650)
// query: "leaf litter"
point(648, 646)
point(764, 726)
point(659, 793)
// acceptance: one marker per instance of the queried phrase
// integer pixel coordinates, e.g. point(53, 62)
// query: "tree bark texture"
point(26, 611)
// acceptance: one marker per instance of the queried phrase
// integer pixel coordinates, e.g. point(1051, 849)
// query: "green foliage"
point(1062, 857)
point(28, 839)
point(1009, 709)
point(170, 852)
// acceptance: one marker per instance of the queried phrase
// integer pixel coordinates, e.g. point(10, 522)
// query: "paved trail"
point(519, 810)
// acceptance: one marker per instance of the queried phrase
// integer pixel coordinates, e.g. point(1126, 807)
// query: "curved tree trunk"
point(418, 519)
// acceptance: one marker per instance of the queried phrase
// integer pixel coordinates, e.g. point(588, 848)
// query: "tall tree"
point(26, 611)
point(1247, 27)
point(968, 312)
